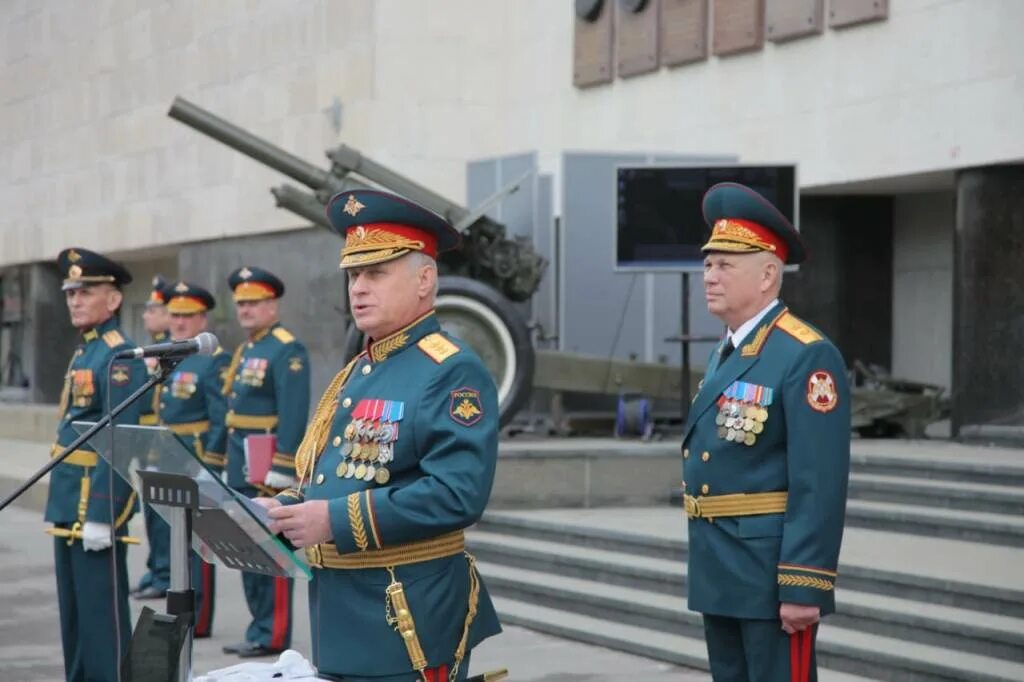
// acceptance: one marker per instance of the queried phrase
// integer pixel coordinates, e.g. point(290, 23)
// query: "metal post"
point(181, 577)
point(685, 384)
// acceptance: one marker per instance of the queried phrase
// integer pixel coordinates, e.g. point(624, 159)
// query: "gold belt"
point(82, 458)
point(325, 555)
point(190, 428)
point(148, 420)
point(739, 504)
point(250, 421)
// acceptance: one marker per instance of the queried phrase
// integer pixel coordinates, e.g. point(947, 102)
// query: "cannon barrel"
point(243, 141)
point(302, 204)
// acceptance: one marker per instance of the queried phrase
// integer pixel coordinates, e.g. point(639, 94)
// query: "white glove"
point(276, 480)
point(224, 476)
point(95, 536)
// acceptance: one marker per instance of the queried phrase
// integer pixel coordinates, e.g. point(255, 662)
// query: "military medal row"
point(369, 440)
point(742, 412)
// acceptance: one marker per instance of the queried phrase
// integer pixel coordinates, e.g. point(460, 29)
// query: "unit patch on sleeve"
point(465, 407)
point(821, 391)
point(295, 364)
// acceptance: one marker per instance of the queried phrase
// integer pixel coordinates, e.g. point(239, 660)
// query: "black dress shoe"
point(149, 593)
point(254, 650)
point(235, 648)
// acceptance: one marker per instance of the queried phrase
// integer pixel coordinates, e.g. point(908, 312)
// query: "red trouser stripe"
point(280, 628)
point(800, 655)
point(203, 620)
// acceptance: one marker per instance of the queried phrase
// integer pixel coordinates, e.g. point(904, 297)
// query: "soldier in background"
point(89, 505)
point(766, 455)
point(157, 579)
point(192, 405)
point(267, 388)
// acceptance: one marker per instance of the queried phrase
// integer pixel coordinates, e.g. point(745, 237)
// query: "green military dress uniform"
point(267, 387)
point(403, 445)
point(766, 452)
point(193, 406)
point(80, 492)
point(157, 578)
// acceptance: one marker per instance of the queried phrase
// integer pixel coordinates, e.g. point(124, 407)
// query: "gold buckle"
point(692, 505)
point(315, 556)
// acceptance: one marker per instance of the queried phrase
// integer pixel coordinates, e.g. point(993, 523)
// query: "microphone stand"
point(166, 365)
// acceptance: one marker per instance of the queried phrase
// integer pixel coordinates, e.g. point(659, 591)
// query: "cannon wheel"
point(489, 324)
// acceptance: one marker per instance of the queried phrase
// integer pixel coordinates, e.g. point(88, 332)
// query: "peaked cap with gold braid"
point(82, 268)
point(743, 221)
point(379, 226)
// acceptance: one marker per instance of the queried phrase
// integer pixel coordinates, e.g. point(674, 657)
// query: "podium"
point(203, 513)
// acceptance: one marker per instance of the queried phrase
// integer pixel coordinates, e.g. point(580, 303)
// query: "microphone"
point(203, 344)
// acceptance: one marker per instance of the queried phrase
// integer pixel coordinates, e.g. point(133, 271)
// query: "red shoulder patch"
point(821, 391)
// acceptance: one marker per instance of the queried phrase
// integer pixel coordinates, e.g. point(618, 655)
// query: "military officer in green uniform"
point(157, 579)
point(86, 508)
point(267, 388)
point(193, 406)
point(398, 460)
point(766, 453)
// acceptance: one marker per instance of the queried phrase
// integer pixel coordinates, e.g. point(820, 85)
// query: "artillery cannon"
point(479, 280)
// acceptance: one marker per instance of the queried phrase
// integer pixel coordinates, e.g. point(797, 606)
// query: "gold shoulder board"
point(797, 329)
point(113, 338)
point(283, 335)
point(437, 348)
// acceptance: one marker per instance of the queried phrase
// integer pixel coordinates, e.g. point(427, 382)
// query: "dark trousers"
point(743, 650)
point(270, 603)
point(204, 582)
point(85, 594)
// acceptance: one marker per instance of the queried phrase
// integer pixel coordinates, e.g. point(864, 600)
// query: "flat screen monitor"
point(659, 223)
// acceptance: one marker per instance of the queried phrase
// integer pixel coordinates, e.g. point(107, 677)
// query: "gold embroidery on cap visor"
point(728, 235)
point(366, 246)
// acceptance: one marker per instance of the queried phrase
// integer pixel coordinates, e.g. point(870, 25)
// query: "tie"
point(727, 350)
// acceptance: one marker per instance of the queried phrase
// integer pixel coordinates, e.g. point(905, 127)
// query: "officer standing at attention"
point(80, 504)
point(267, 388)
point(766, 454)
point(192, 405)
point(157, 579)
point(398, 459)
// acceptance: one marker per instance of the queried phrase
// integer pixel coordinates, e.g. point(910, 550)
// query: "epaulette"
point(437, 347)
point(283, 335)
point(797, 328)
point(113, 338)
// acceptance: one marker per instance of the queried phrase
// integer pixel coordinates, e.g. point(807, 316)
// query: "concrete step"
point(975, 526)
point(583, 609)
point(964, 575)
point(656, 580)
point(938, 494)
point(940, 461)
point(850, 662)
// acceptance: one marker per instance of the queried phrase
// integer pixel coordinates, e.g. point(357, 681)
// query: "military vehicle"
point(479, 281)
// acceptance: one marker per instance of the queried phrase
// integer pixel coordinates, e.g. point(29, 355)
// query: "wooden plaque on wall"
point(738, 26)
point(850, 12)
point(684, 31)
point(789, 19)
point(592, 54)
point(636, 38)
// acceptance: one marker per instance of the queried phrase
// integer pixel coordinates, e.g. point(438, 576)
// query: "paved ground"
point(30, 639)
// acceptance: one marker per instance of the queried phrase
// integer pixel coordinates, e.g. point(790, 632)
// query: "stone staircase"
point(931, 582)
